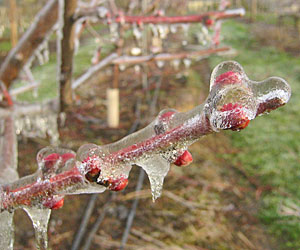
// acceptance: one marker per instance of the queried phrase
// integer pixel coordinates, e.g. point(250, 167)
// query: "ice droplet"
point(156, 168)
point(187, 62)
point(40, 219)
point(175, 63)
point(160, 64)
point(137, 33)
point(236, 99)
point(122, 67)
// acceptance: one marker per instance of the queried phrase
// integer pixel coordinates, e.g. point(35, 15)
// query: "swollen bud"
point(184, 160)
point(236, 117)
point(54, 203)
point(50, 160)
point(229, 77)
point(118, 185)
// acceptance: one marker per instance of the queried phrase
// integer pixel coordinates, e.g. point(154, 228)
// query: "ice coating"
point(229, 84)
point(234, 100)
point(6, 230)
point(40, 219)
point(41, 125)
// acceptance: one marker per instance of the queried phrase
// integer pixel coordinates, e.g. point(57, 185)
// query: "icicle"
point(102, 11)
point(137, 69)
point(122, 67)
point(163, 31)
point(38, 125)
point(135, 51)
point(137, 32)
point(184, 42)
point(185, 27)
point(40, 219)
point(6, 231)
point(160, 64)
point(154, 29)
point(113, 28)
point(156, 168)
point(173, 28)
point(175, 63)
point(187, 62)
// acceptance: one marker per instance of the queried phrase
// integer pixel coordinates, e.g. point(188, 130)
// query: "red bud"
point(167, 115)
point(50, 160)
point(229, 77)
point(209, 22)
point(185, 159)
point(93, 167)
point(237, 117)
point(54, 203)
point(118, 185)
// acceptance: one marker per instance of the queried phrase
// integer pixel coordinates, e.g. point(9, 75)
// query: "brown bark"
point(67, 54)
point(29, 42)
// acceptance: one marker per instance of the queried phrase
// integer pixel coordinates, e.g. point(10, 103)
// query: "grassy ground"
point(269, 148)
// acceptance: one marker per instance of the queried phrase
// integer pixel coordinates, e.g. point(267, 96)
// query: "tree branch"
point(29, 42)
point(67, 54)
point(103, 13)
point(233, 101)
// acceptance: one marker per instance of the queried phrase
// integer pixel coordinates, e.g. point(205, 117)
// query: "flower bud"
point(184, 160)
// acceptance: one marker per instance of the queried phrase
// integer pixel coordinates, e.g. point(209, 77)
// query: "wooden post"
point(13, 18)
point(112, 107)
point(253, 10)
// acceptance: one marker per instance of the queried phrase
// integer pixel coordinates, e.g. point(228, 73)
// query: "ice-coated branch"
point(103, 13)
point(8, 172)
point(123, 60)
point(29, 42)
point(168, 56)
point(233, 101)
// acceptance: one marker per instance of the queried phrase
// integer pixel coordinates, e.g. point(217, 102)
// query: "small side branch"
point(167, 56)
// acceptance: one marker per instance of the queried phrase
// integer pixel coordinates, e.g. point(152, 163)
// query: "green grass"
point(5, 46)
point(47, 74)
point(269, 148)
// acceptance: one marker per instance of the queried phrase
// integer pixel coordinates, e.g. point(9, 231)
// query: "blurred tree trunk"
point(253, 10)
point(13, 19)
point(29, 42)
point(67, 54)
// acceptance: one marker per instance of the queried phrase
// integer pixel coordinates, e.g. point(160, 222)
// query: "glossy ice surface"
point(233, 101)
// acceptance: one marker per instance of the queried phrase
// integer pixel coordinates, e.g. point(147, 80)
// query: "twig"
point(106, 61)
point(94, 12)
point(98, 222)
point(104, 243)
point(113, 196)
point(85, 219)
point(141, 194)
point(23, 89)
point(148, 238)
point(171, 134)
point(184, 202)
point(30, 109)
point(133, 210)
point(167, 56)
